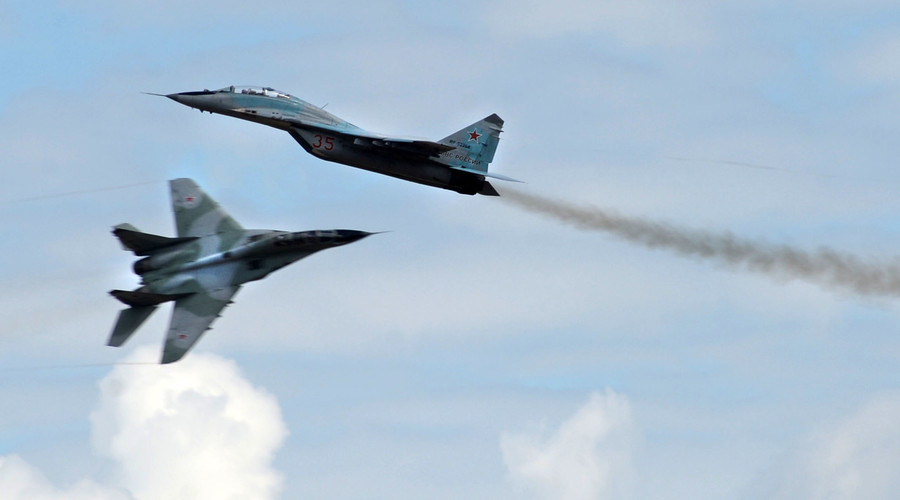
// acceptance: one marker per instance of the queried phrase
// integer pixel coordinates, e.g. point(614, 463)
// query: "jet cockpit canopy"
point(254, 90)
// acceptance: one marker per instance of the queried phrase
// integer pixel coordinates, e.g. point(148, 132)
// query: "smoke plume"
point(824, 266)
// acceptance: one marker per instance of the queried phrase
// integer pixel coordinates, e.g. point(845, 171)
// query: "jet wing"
point(191, 317)
point(196, 213)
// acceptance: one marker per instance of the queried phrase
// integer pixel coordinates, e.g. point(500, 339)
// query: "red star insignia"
point(182, 336)
point(189, 199)
point(474, 135)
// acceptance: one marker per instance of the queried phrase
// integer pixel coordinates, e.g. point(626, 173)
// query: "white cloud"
point(856, 458)
point(589, 456)
point(873, 60)
point(21, 481)
point(195, 429)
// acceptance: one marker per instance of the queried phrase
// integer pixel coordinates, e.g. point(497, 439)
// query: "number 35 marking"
point(326, 143)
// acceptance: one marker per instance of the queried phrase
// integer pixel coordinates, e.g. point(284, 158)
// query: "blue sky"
point(476, 350)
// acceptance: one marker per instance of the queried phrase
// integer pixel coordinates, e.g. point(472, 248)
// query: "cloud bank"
point(21, 481)
point(857, 457)
point(193, 430)
point(588, 457)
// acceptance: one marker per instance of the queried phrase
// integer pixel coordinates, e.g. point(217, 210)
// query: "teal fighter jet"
point(458, 162)
point(204, 266)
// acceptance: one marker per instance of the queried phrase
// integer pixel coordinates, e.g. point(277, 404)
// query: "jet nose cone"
point(183, 97)
point(351, 235)
point(175, 97)
point(194, 98)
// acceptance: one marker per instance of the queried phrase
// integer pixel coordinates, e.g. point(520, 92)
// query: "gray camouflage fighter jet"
point(458, 162)
point(204, 266)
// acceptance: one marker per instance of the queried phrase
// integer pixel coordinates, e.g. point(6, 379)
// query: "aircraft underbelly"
point(346, 150)
point(423, 172)
point(189, 281)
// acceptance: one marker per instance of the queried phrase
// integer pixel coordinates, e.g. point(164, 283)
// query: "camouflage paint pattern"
point(205, 265)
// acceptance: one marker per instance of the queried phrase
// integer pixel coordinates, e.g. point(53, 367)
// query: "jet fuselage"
point(459, 162)
point(249, 256)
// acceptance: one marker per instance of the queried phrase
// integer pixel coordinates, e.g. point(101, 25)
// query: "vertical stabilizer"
point(474, 145)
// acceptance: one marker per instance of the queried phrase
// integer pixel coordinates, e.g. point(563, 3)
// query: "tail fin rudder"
point(474, 145)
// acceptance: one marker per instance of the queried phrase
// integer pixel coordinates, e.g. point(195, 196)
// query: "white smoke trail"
point(824, 266)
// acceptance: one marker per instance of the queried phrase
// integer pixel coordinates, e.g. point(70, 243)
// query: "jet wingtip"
point(169, 356)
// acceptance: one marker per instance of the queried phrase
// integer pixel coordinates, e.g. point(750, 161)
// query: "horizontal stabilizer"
point(129, 321)
point(137, 299)
point(144, 243)
point(486, 174)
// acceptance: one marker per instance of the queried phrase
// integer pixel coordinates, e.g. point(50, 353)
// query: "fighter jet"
point(458, 162)
point(204, 266)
